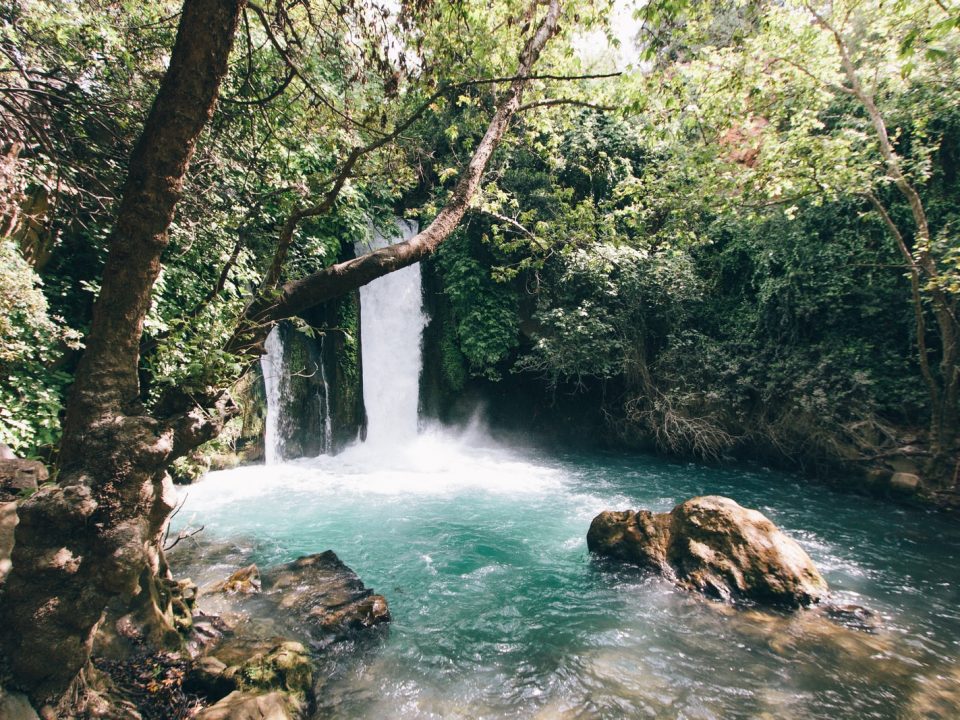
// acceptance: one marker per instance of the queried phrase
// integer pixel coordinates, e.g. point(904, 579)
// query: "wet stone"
point(714, 546)
point(251, 706)
point(325, 594)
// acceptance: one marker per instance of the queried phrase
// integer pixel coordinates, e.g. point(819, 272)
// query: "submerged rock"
point(325, 594)
point(937, 696)
point(712, 545)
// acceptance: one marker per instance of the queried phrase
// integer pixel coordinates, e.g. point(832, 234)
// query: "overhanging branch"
point(298, 295)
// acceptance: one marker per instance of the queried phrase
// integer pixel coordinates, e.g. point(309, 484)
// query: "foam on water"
point(431, 464)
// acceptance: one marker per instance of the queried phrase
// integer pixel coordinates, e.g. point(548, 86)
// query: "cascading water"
point(298, 422)
point(391, 329)
point(392, 323)
point(276, 382)
point(325, 411)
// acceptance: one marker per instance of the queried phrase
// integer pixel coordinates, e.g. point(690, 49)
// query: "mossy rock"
point(283, 665)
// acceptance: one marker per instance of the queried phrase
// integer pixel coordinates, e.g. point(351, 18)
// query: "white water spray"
point(391, 330)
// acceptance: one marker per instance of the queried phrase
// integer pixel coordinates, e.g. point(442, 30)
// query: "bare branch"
point(183, 535)
point(506, 221)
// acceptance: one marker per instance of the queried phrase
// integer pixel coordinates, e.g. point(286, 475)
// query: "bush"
point(31, 343)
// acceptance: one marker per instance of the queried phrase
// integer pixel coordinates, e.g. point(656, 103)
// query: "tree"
point(811, 103)
point(95, 536)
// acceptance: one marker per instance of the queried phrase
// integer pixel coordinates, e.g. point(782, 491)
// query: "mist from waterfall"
point(391, 332)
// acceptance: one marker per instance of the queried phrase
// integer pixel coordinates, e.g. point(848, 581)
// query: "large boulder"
point(326, 595)
point(712, 545)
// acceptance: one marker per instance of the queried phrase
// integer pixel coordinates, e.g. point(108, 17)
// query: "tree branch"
point(565, 101)
point(298, 295)
point(326, 204)
point(506, 221)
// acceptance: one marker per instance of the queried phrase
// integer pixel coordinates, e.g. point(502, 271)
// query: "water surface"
point(499, 611)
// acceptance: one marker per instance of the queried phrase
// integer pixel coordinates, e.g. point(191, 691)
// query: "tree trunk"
point(95, 537)
point(943, 390)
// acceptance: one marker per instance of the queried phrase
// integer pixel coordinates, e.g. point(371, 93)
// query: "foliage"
point(31, 342)
point(694, 234)
point(710, 252)
point(485, 312)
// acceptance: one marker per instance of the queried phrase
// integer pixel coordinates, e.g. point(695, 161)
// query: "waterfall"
point(391, 329)
point(391, 326)
point(276, 381)
point(298, 419)
point(325, 401)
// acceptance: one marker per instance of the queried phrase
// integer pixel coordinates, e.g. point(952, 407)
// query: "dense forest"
point(723, 232)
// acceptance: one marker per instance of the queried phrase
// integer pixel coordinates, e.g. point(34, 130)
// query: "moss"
point(453, 364)
point(286, 667)
point(250, 394)
point(347, 375)
point(348, 322)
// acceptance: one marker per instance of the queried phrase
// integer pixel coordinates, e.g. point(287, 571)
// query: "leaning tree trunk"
point(943, 391)
point(95, 536)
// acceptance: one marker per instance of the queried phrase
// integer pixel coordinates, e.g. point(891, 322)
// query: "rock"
point(8, 524)
point(249, 706)
point(325, 594)
point(877, 477)
point(17, 476)
point(712, 545)
point(904, 482)
point(207, 677)
point(907, 461)
point(14, 706)
point(6, 453)
point(638, 537)
point(854, 617)
point(279, 665)
point(245, 581)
